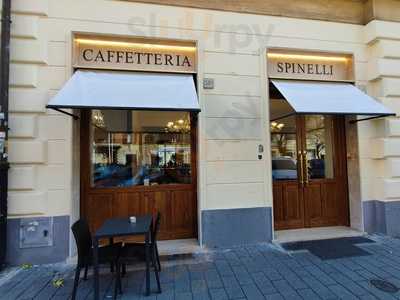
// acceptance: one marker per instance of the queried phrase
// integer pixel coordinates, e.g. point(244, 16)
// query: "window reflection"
point(131, 148)
point(284, 149)
point(319, 143)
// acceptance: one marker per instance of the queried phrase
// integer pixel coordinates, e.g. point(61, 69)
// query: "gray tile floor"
point(252, 272)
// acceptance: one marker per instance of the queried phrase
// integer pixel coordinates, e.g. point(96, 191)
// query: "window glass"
point(319, 143)
point(284, 149)
point(130, 148)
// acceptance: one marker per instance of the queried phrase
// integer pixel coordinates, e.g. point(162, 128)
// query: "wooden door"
point(317, 196)
point(177, 203)
point(286, 172)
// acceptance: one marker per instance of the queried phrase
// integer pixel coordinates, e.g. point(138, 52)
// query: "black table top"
point(122, 227)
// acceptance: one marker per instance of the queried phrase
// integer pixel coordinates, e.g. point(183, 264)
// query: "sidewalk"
point(253, 272)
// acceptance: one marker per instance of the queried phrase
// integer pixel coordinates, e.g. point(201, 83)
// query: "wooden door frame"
point(340, 169)
point(85, 168)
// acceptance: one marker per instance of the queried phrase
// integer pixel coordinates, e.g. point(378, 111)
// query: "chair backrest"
point(156, 227)
point(83, 239)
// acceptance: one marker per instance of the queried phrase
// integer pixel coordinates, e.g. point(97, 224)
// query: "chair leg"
point(158, 259)
point(123, 269)
point(155, 266)
point(76, 282)
point(158, 280)
point(117, 281)
point(120, 279)
point(85, 274)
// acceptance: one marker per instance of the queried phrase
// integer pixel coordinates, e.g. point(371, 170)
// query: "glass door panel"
point(319, 147)
point(284, 149)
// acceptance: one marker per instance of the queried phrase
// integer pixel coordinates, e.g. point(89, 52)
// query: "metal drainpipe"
point(4, 165)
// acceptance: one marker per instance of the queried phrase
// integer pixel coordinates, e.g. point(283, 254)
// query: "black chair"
point(106, 255)
point(136, 252)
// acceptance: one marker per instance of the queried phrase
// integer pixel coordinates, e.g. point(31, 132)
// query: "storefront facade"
point(220, 181)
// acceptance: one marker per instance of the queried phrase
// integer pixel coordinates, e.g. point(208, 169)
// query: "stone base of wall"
point(382, 217)
point(57, 252)
point(233, 227)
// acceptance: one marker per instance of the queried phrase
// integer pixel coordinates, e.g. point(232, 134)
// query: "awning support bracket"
point(75, 117)
point(366, 119)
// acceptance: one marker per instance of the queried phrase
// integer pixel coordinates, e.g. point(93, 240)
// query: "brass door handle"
point(301, 168)
point(307, 180)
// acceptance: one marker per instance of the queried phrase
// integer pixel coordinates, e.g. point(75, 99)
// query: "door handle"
point(300, 158)
point(307, 180)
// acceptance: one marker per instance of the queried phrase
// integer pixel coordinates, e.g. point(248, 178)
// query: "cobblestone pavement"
point(252, 272)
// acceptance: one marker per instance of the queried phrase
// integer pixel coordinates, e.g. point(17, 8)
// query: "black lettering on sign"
point(85, 54)
point(287, 67)
point(302, 68)
point(157, 59)
point(129, 57)
point(120, 56)
point(186, 62)
point(99, 57)
point(280, 67)
point(110, 55)
point(168, 60)
point(139, 58)
point(310, 69)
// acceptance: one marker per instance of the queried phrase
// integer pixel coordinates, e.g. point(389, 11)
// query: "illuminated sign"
point(136, 55)
point(309, 66)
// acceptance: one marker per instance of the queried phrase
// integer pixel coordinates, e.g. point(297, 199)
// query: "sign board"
point(288, 64)
point(98, 52)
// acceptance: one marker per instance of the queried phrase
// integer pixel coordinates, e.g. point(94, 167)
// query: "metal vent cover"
point(36, 232)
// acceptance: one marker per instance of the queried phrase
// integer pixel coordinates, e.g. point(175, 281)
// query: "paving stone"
point(308, 294)
point(183, 296)
point(229, 281)
point(218, 294)
point(166, 296)
point(251, 292)
point(282, 286)
point(199, 285)
point(274, 297)
point(349, 284)
point(341, 292)
point(377, 293)
point(234, 292)
point(201, 296)
point(252, 272)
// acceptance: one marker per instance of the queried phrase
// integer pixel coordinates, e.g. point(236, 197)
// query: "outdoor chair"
point(106, 254)
point(136, 252)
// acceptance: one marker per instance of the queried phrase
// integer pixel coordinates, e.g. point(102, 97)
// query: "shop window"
point(284, 148)
point(133, 148)
point(319, 144)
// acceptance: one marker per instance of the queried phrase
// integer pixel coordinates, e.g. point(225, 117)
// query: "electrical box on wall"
point(36, 232)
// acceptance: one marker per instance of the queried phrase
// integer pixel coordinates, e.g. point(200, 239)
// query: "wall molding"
point(345, 11)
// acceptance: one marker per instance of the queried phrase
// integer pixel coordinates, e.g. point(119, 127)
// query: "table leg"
point(96, 268)
point(111, 242)
point(147, 264)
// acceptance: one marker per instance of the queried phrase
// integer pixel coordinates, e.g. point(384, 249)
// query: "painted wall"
point(234, 118)
point(380, 140)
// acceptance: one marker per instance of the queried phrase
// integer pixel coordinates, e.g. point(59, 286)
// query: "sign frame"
point(315, 65)
point(121, 53)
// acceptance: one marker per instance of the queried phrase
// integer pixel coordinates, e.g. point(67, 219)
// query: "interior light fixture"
point(275, 126)
point(308, 57)
point(178, 126)
point(134, 44)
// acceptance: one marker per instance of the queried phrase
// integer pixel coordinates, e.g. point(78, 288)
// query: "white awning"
point(306, 97)
point(125, 90)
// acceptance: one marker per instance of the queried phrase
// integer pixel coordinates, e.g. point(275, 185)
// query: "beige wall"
point(380, 140)
point(234, 118)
